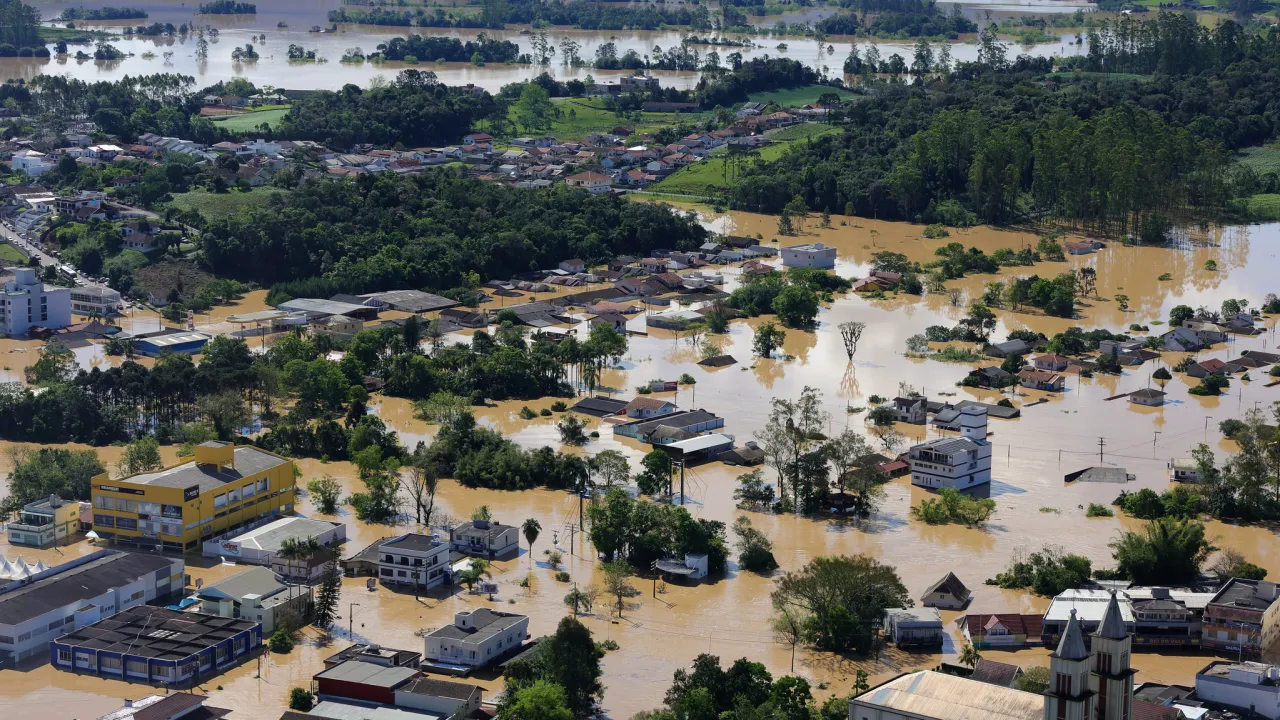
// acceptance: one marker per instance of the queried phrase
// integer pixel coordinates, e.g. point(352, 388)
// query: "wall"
point(434, 704)
point(1264, 699)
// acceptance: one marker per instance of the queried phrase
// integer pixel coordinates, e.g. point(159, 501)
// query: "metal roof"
point(271, 537)
point(351, 711)
point(248, 461)
point(949, 445)
point(258, 581)
point(258, 316)
point(76, 584)
point(357, 671)
point(180, 338)
point(485, 623)
point(414, 301)
point(948, 697)
point(703, 442)
point(1090, 605)
point(318, 306)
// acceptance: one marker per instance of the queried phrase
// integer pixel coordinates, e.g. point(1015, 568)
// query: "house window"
point(125, 523)
point(262, 485)
point(223, 653)
point(149, 508)
point(109, 663)
point(126, 505)
point(401, 573)
point(387, 572)
point(64, 656)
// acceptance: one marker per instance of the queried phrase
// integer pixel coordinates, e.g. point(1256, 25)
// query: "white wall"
point(1264, 699)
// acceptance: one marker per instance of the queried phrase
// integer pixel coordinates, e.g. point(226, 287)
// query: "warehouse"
point(190, 343)
point(261, 545)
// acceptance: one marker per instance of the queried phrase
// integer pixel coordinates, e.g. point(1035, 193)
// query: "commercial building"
point(475, 639)
point(445, 697)
point(413, 558)
point(1088, 607)
point(1241, 618)
point(485, 538)
point(98, 300)
point(261, 546)
point(255, 594)
point(1247, 687)
point(930, 695)
point(156, 645)
point(79, 593)
point(811, 255)
point(955, 462)
point(1011, 630)
point(172, 706)
point(362, 681)
point(28, 301)
point(44, 522)
point(223, 488)
point(689, 422)
point(377, 655)
point(189, 343)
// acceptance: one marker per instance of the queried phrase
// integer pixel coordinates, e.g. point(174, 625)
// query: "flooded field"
point(729, 616)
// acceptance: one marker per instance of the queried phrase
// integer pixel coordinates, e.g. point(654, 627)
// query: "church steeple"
point(1112, 676)
point(1069, 695)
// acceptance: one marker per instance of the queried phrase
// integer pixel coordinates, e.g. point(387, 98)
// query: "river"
point(729, 616)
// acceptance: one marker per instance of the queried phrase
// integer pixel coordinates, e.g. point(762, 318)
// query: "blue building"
point(180, 342)
point(156, 645)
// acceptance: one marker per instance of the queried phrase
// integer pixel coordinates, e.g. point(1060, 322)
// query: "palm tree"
point(531, 528)
point(969, 655)
point(477, 569)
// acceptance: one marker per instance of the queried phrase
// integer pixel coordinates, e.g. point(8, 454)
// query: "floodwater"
point(729, 616)
point(177, 55)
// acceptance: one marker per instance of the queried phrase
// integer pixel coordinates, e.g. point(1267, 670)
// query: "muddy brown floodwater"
point(729, 616)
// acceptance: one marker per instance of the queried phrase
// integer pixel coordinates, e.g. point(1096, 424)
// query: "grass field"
point(795, 97)
point(590, 115)
point(219, 205)
point(251, 120)
point(1263, 159)
point(708, 177)
point(10, 254)
point(1264, 208)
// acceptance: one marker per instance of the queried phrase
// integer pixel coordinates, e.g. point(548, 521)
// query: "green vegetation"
point(1262, 160)
point(217, 207)
point(1146, 504)
point(227, 7)
point(105, 13)
point(836, 601)
point(576, 118)
point(1164, 552)
point(1098, 510)
point(11, 254)
point(953, 507)
point(755, 551)
point(711, 176)
point(1263, 207)
point(251, 121)
point(1048, 571)
point(797, 97)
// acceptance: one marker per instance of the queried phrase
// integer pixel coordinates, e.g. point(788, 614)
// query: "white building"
point(486, 538)
point(1184, 470)
point(814, 255)
point(592, 182)
point(1244, 686)
point(413, 557)
point(255, 594)
point(97, 300)
point(262, 545)
point(905, 627)
point(28, 301)
point(81, 592)
point(955, 462)
point(476, 638)
point(32, 162)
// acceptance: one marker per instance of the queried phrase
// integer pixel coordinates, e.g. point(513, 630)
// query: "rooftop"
point(1030, 625)
point(599, 406)
point(484, 623)
point(947, 697)
point(318, 306)
point(948, 445)
point(951, 584)
point(364, 673)
point(995, 673)
point(156, 632)
point(259, 581)
point(248, 461)
point(413, 542)
point(676, 420)
point(76, 584)
point(272, 536)
point(164, 707)
point(334, 710)
point(1090, 605)
point(366, 651)
point(1248, 594)
point(915, 615)
point(441, 688)
point(414, 301)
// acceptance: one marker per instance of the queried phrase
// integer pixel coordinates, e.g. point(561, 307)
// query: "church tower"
point(1112, 675)
point(1070, 693)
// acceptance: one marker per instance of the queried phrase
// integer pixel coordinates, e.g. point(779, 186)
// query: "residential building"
point(1184, 470)
point(255, 594)
point(223, 488)
point(947, 593)
point(617, 321)
point(362, 681)
point(29, 302)
point(32, 162)
point(261, 545)
point(1247, 687)
point(476, 638)
point(413, 558)
point(44, 522)
point(908, 627)
point(814, 255)
point(1056, 363)
point(573, 265)
point(1182, 340)
point(78, 593)
point(1147, 396)
point(487, 538)
point(157, 646)
point(442, 697)
point(1205, 368)
point(97, 300)
point(955, 462)
point(592, 182)
point(1002, 631)
point(1041, 380)
point(691, 422)
point(995, 673)
point(1008, 348)
point(648, 407)
point(1241, 618)
point(167, 707)
point(914, 410)
point(376, 654)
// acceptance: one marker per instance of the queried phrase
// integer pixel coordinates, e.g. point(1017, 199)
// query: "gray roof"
point(414, 301)
point(916, 616)
point(951, 584)
point(950, 445)
point(271, 537)
point(1071, 646)
point(441, 688)
point(351, 711)
point(995, 673)
point(600, 406)
point(248, 461)
point(156, 632)
point(76, 584)
point(674, 420)
point(356, 671)
point(258, 581)
point(319, 306)
point(1240, 593)
point(485, 623)
point(413, 542)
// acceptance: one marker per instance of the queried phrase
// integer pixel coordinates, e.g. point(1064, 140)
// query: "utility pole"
point(351, 622)
point(1153, 438)
point(1101, 444)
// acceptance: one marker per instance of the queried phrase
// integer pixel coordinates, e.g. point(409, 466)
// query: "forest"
point(432, 48)
point(19, 25)
point(103, 13)
point(496, 15)
point(432, 230)
point(1113, 156)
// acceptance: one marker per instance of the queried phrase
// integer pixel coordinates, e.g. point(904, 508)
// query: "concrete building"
point(1247, 687)
point(475, 639)
point(1002, 631)
point(376, 654)
point(413, 558)
point(255, 594)
point(261, 546)
point(190, 343)
point(365, 682)
point(156, 645)
point(78, 593)
point(444, 697)
point(1241, 618)
point(955, 462)
point(222, 489)
point(45, 522)
point(486, 538)
point(908, 627)
point(167, 707)
point(1094, 683)
point(32, 162)
point(1088, 607)
point(28, 301)
point(1147, 396)
point(1184, 470)
point(814, 255)
point(592, 182)
point(98, 300)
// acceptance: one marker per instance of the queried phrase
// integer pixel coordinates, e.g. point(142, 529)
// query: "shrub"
point(609, 644)
point(1048, 572)
point(527, 414)
point(301, 699)
point(935, 231)
point(280, 642)
point(1210, 265)
point(562, 576)
point(1098, 510)
point(544, 412)
point(559, 406)
point(1164, 277)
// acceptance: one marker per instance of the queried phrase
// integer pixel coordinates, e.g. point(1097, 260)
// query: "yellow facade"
point(223, 488)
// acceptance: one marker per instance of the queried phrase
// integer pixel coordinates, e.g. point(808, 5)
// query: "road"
point(13, 238)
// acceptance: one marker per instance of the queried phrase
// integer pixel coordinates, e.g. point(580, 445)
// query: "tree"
point(420, 484)
point(476, 570)
point(142, 455)
point(1161, 376)
point(855, 476)
point(326, 605)
point(301, 699)
point(482, 512)
point(227, 411)
point(844, 597)
point(969, 655)
point(1232, 564)
point(531, 528)
point(610, 466)
point(752, 489)
point(1180, 314)
point(617, 582)
point(325, 492)
point(796, 306)
point(534, 107)
point(1122, 301)
point(581, 599)
point(755, 551)
point(1034, 679)
point(851, 333)
point(789, 628)
point(1166, 551)
point(572, 430)
point(37, 474)
point(539, 701)
point(793, 425)
point(655, 473)
point(568, 658)
point(768, 338)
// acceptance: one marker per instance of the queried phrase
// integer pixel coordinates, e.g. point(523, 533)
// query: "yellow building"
point(223, 488)
point(45, 522)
